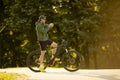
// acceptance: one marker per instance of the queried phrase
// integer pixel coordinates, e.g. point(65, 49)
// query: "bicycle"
point(71, 60)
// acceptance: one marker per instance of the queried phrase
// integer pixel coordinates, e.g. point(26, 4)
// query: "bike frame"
point(62, 46)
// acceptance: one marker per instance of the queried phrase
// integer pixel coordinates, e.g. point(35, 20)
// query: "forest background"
point(92, 27)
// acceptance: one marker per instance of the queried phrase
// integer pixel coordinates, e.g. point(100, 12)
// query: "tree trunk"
point(0, 54)
point(86, 57)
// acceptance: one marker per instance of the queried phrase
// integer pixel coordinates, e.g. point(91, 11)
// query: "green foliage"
point(6, 76)
point(12, 76)
point(75, 20)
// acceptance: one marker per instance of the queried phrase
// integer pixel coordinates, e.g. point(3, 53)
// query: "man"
point(42, 35)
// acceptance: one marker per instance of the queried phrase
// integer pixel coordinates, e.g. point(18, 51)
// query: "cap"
point(42, 17)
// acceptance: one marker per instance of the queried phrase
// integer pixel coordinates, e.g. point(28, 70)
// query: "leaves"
point(75, 21)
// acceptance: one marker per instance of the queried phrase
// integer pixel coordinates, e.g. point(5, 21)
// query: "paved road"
point(61, 74)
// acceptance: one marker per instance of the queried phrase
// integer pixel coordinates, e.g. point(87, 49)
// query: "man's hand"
point(51, 25)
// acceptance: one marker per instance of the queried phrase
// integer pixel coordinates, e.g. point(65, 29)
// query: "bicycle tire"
point(71, 61)
point(30, 61)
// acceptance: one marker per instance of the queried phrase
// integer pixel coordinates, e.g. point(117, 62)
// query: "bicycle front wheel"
point(71, 61)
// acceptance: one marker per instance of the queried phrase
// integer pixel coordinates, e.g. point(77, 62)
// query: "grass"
point(12, 76)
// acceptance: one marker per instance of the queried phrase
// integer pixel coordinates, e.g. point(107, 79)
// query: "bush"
point(11, 76)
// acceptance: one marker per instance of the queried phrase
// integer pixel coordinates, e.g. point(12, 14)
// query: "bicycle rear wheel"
point(71, 61)
point(33, 62)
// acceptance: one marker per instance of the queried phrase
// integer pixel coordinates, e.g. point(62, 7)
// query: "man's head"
point(42, 19)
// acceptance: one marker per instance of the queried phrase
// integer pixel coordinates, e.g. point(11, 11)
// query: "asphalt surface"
point(62, 74)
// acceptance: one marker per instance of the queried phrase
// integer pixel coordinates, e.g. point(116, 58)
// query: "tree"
point(75, 20)
point(1, 29)
point(107, 44)
point(81, 22)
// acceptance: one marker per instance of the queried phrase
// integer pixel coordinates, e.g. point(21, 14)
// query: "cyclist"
point(42, 36)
